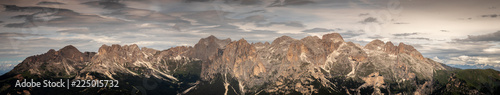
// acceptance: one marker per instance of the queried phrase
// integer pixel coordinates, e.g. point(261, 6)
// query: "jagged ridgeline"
point(312, 65)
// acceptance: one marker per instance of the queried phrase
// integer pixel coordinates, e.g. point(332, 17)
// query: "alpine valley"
point(312, 65)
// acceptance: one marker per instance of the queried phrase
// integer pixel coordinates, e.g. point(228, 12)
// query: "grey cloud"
point(401, 23)
point(210, 17)
point(73, 19)
point(10, 34)
point(364, 14)
point(14, 8)
point(49, 3)
point(495, 36)
point(375, 37)
point(146, 15)
point(241, 2)
point(75, 31)
point(290, 23)
point(465, 48)
point(19, 25)
point(255, 18)
point(318, 30)
point(106, 4)
point(352, 33)
point(257, 11)
point(58, 17)
point(369, 20)
point(490, 15)
point(250, 2)
point(405, 34)
point(420, 38)
point(188, 1)
point(22, 16)
point(278, 3)
point(37, 17)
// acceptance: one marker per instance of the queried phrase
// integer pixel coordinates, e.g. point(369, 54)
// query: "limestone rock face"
point(334, 37)
point(207, 47)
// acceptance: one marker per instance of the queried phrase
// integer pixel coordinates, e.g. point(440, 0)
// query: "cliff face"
point(310, 65)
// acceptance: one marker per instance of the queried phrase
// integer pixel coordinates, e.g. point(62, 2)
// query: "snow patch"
point(303, 57)
point(178, 57)
point(189, 89)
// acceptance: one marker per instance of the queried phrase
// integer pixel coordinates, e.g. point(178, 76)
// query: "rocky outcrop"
point(207, 47)
point(391, 49)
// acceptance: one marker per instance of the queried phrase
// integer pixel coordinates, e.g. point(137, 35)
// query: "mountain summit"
point(311, 65)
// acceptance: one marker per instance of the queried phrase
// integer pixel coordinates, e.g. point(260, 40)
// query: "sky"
point(459, 33)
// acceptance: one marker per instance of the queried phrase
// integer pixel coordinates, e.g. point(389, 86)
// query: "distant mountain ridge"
point(311, 65)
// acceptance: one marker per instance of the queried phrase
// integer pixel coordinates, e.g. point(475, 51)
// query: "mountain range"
point(311, 65)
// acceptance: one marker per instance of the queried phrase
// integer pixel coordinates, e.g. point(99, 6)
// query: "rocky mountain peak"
point(281, 40)
point(212, 39)
point(335, 37)
point(51, 51)
point(375, 45)
point(71, 53)
point(69, 50)
point(408, 49)
point(242, 41)
point(115, 48)
point(239, 48)
point(390, 48)
point(207, 47)
point(311, 39)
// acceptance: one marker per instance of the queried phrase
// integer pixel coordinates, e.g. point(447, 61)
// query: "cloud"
point(106, 4)
point(420, 38)
point(58, 17)
point(405, 34)
point(278, 3)
point(290, 23)
point(376, 37)
point(364, 14)
point(369, 20)
point(435, 58)
point(10, 34)
point(490, 16)
point(49, 3)
point(146, 15)
point(250, 2)
point(318, 30)
point(351, 33)
point(476, 62)
point(495, 36)
point(401, 23)
point(75, 31)
point(255, 19)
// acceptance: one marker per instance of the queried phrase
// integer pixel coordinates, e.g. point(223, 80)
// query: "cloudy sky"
point(460, 33)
